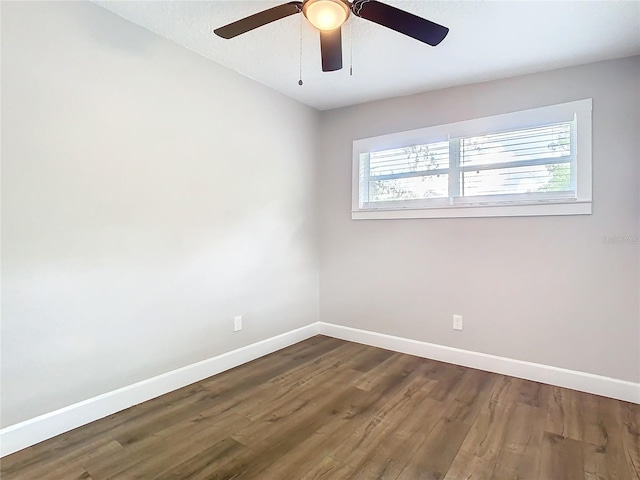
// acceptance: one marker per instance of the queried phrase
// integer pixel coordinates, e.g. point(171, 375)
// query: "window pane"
point(412, 188)
point(537, 178)
point(418, 158)
point(551, 141)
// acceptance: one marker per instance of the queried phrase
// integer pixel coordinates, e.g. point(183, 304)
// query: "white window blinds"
point(532, 164)
point(527, 161)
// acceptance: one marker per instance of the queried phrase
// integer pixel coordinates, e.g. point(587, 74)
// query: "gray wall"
point(148, 196)
point(540, 289)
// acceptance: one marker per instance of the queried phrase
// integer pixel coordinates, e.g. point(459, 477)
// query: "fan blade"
point(258, 20)
point(400, 21)
point(331, 48)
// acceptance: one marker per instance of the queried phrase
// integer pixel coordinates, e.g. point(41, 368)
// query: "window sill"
point(470, 211)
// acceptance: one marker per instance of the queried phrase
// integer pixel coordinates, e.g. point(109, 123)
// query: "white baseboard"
point(35, 430)
point(584, 382)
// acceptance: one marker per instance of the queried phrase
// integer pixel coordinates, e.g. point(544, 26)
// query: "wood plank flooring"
point(329, 409)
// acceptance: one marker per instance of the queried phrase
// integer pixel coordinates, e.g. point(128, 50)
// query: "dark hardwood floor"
point(329, 409)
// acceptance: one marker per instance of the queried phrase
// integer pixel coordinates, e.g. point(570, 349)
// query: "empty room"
point(320, 239)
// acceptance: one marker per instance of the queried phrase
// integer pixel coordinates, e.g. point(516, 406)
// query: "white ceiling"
point(487, 40)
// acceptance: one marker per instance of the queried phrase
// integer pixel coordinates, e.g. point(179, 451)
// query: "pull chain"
point(351, 48)
point(300, 82)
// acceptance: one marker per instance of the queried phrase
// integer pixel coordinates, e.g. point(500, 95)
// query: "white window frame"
point(580, 204)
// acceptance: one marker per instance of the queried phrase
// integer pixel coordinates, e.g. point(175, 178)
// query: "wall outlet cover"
point(237, 323)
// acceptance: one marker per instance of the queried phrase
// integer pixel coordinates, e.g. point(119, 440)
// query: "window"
point(533, 162)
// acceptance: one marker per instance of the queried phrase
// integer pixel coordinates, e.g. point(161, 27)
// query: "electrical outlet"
point(237, 323)
point(457, 322)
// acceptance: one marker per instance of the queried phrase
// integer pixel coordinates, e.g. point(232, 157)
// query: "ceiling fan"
point(329, 15)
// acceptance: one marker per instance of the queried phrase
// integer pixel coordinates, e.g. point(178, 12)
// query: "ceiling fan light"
point(326, 15)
